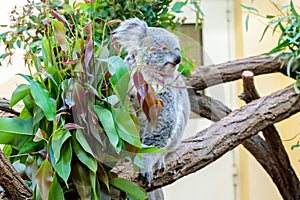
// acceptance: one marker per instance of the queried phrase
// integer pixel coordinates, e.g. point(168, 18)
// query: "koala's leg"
point(160, 165)
point(157, 194)
point(149, 160)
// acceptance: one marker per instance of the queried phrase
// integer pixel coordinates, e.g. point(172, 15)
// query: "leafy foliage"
point(288, 25)
point(77, 121)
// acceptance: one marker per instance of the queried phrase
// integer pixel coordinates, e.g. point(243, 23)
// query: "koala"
point(153, 50)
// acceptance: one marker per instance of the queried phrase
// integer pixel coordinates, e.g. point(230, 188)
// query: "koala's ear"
point(131, 34)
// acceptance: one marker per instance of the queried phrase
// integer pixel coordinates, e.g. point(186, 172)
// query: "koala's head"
point(156, 48)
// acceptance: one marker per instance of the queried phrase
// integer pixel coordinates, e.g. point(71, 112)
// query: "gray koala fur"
point(156, 48)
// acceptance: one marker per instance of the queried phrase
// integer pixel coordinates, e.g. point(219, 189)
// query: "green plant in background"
point(77, 121)
point(287, 24)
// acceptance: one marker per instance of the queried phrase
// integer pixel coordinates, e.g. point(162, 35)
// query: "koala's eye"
point(164, 48)
point(177, 49)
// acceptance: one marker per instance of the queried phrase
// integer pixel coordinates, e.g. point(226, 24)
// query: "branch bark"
point(14, 186)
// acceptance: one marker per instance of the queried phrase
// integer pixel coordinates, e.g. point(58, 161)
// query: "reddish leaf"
point(154, 111)
point(116, 46)
point(141, 86)
point(102, 175)
point(89, 51)
point(138, 79)
point(114, 21)
point(60, 33)
point(72, 62)
point(151, 106)
point(40, 135)
point(159, 72)
point(72, 126)
point(44, 178)
point(81, 179)
point(60, 18)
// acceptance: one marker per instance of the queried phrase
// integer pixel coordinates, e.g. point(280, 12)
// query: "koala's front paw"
point(160, 166)
point(146, 177)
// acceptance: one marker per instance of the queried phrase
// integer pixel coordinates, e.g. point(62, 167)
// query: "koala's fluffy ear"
point(131, 34)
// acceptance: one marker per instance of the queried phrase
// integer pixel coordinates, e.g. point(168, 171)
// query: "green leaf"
point(247, 22)
point(84, 157)
point(15, 131)
point(96, 193)
point(19, 43)
point(44, 178)
point(46, 50)
point(177, 7)
point(130, 188)
point(19, 93)
point(82, 141)
point(249, 8)
point(107, 121)
point(55, 191)
point(127, 129)
point(115, 63)
point(31, 146)
point(25, 113)
point(119, 82)
point(42, 99)
point(26, 77)
point(293, 10)
point(68, 90)
point(81, 180)
point(58, 138)
point(38, 115)
point(296, 88)
point(270, 16)
point(264, 32)
point(295, 146)
point(151, 149)
point(63, 166)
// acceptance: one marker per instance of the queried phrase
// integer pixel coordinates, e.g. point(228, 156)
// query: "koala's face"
point(153, 48)
point(162, 50)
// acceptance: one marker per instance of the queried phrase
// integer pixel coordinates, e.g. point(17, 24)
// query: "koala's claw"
point(146, 177)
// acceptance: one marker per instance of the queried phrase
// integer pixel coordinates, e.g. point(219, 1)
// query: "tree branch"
point(5, 110)
point(206, 76)
point(285, 179)
point(14, 186)
point(210, 144)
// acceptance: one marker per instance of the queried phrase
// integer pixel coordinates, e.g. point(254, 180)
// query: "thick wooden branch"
point(5, 110)
point(286, 179)
point(213, 142)
point(206, 76)
point(14, 186)
point(207, 107)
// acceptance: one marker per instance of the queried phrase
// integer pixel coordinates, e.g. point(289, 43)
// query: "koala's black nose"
point(178, 59)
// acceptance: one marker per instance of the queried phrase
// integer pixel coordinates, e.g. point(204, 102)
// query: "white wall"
point(8, 78)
